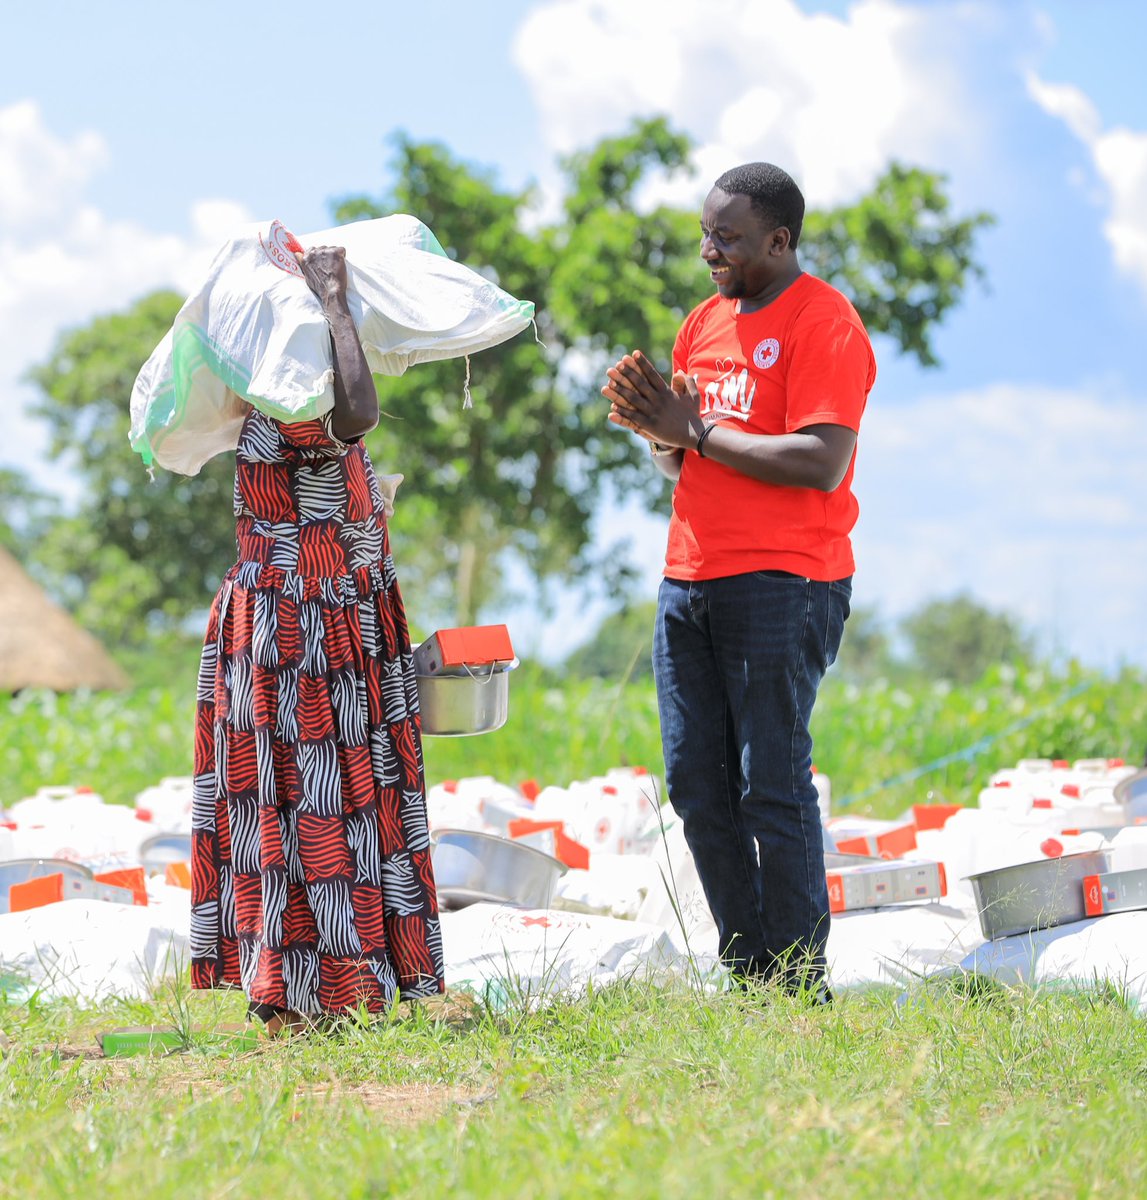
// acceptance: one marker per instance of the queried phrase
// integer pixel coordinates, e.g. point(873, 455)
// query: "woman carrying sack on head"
point(312, 885)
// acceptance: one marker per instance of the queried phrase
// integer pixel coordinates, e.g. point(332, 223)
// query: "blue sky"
point(134, 136)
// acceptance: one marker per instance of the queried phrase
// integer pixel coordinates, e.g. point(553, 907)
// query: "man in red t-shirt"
point(758, 429)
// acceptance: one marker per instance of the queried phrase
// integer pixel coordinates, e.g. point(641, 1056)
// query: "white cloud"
point(1030, 497)
point(41, 176)
point(1120, 160)
point(65, 261)
point(831, 99)
point(1027, 496)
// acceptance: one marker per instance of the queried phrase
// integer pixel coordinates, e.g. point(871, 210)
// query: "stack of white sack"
point(654, 883)
point(91, 949)
point(253, 333)
point(512, 956)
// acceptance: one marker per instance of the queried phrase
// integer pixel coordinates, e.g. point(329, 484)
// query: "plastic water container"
point(446, 810)
point(167, 805)
point(56, 804)
point(498, 803)
point(639, 796)
point(1004, 797)
point(965, 843)
point(637, 787)
point(1129, 849)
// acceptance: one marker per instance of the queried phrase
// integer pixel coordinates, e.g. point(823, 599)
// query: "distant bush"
point(622, 646)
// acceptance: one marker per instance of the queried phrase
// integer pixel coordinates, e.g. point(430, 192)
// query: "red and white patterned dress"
point(312, 887)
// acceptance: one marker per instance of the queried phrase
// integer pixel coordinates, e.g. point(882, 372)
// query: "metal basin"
point(1132, 794)
point(466, 702)
point(1035, 895)
point(471, 866)
point(158, 851)
point(20, 870)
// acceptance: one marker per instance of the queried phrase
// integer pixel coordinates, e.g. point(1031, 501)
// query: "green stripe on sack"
point(193, 351)
point(158, 414)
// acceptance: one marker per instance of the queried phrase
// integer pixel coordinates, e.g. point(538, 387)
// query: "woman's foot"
point(287, 1023)
point(278, 1022)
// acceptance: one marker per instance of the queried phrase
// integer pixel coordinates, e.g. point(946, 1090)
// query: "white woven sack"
point(254, 334)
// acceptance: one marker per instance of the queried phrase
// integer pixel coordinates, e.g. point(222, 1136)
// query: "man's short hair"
point(773, 194)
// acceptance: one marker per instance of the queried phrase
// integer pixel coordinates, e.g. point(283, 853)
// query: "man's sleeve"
point(830, 374)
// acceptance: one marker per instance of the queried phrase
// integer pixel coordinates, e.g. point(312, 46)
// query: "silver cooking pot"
point(465, 700)
point(21, 870)
point(1132, 794)
point(471, 866)
point(1035, 895)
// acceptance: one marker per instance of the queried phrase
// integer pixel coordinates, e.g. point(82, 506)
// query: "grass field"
point(630, 1092)
point(955, 1089)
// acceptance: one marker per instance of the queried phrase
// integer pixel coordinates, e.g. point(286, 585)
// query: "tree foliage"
point(621, 647)
point(866, 652)
point(958, 639)
point(516, 480)
point(137, 550)
point(898, 255)
point(955, 639)
point(28, 513)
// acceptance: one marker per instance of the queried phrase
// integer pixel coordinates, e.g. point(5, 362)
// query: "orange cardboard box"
point(568, 851)
point(866, 835)
point(49, 889)
point(178, 875)
point(874, 884)
point(46, 889)
point(470, 646)
point(131, 878)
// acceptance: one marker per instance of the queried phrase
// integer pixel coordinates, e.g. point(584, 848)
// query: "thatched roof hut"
point(41, 646)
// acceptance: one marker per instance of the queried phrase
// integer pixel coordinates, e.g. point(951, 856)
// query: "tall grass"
point(884, 747)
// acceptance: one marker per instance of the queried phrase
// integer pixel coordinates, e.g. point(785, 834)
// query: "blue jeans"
point(738, 662)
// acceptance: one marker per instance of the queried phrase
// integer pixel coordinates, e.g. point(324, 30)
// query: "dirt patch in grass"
point(405, 1104)
point(197, 1079)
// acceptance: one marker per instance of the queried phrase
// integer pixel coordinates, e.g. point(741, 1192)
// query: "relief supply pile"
point(629, 903)
point(253, 333)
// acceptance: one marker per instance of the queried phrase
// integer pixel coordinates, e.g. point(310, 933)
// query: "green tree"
point(866, 651)
point(517, 479)
point(138, 554)
point(959, 639)
point(522, 473)
point(898, 254)
point(622, 643)
point(27, 513)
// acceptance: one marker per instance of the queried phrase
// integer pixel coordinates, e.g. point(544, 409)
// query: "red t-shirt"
point(805, 359)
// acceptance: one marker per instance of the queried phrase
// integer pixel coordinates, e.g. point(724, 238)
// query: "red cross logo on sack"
point(280, 246)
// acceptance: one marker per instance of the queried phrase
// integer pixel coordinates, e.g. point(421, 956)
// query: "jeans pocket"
point(839, 595)
point(783, 576)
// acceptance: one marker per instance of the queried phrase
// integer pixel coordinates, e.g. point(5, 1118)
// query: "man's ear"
point(779, 240)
